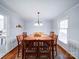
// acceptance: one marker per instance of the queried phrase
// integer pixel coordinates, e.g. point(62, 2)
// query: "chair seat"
point(32, 51)
point(44, 51)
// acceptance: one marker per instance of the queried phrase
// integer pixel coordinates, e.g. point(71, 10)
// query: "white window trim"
point(63, 27)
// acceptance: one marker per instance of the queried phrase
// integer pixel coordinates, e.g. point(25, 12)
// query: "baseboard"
point(5, 56)
point(66, 51)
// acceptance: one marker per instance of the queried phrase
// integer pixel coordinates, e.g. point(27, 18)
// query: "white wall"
point(73, 30)
point(30, 28)
point(55, 26)
point(11, 20)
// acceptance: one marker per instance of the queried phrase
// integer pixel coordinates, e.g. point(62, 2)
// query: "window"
point(63, 31)
point(1, 22)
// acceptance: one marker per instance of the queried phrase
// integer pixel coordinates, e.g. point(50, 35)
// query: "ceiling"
point(48, 9)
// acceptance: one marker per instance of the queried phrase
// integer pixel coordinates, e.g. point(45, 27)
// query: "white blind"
point(1, 22)
point(63, 31)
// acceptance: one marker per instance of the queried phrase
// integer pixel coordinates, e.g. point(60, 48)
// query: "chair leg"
point(26, 57)
point(56, 50)
point(49, 56)
point(18, 51)
point(52, 53)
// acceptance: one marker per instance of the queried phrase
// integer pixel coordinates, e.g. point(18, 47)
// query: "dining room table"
point(38, 38)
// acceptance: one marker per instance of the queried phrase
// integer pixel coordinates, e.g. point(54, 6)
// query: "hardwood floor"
point(61, 55)
point(64, 53)
point(11, 55)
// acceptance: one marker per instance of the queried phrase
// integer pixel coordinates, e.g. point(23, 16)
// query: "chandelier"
point(38, 23)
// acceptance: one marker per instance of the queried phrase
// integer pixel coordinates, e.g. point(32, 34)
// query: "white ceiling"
point(48, 8)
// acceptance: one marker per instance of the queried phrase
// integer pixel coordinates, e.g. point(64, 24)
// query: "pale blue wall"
point(11, 20)
point(73, 30)
point(46, 28)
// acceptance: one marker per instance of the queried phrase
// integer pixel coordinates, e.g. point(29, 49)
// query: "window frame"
point(63, 29)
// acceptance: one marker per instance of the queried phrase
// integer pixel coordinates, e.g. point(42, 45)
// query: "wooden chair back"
point(55, 38)
point(29, 48)
point(44, 47)
point(24, 34)
point(19, 44)
point(55, 42)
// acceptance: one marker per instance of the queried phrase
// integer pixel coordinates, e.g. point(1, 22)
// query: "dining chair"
point(55, 38)
point(44, 47)
point(19, 44)
point(29, 48)
point(55, 44)
point(24, 34)
point(19, 41)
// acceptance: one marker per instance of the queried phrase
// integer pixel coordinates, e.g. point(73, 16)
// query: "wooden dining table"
point(38, 38)
point(42, 37)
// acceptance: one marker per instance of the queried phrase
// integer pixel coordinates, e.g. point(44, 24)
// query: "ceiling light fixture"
point(38, 23)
